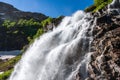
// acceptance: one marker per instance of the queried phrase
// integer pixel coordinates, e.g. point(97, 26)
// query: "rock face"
point(55, 22)
point(105, 63)
point(17, 36)
point(10, 41)
point(105, 60)
point(7, 11)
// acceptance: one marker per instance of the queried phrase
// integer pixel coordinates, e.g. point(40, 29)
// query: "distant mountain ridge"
point(5, 7)
point(8, 11)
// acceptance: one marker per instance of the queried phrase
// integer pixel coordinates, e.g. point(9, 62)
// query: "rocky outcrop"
point(105, 60)
point(55, 22)
point(105, 63)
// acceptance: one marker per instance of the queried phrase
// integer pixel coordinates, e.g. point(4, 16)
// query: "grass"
point(7, 65)
point(101, 6)
point(97, 7)
point(6, 74)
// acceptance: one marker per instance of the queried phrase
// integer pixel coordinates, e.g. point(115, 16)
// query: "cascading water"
point(114, 7)
point(57, 54)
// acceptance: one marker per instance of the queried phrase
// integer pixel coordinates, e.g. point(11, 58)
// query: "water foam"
point(57, 54)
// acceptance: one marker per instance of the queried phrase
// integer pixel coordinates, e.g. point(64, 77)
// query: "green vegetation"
point(8, 24)
point(101, 4)
point(39, 32)
point(29, 28)
point(23, 31)
point(46, 21)
point(98, 5)
point(7, 65)
point(25, 28)
point(27, 31)
point(5, 75)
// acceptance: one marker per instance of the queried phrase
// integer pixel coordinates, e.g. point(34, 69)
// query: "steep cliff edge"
point(105, 47)
point(105, 63)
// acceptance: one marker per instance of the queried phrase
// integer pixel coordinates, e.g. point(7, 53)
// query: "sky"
point(52, 8)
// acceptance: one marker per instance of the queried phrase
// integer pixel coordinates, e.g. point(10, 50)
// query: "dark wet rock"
point(104, 19)
point(105, 64)
point(105, 61)
point(115, 4)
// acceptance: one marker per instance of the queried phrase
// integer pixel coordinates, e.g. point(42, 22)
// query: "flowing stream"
point(58, 54)
point(61, 54)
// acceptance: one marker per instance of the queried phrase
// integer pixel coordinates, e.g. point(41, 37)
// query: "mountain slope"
point(19, 28)
point(7, 11)
point(16, 26)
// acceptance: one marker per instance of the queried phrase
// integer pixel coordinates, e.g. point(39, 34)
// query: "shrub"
point(8, 24)
point(39, 32)
point(46, 21)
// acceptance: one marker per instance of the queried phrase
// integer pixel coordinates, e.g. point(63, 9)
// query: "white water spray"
point(114, 7)
point(57, 54)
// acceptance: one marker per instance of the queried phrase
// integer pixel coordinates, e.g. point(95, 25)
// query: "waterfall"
point(114, 7)
point(59, 54)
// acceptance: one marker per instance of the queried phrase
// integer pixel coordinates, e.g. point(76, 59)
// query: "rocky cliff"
point(105, 60)
point(19, 28)
point(105, 47)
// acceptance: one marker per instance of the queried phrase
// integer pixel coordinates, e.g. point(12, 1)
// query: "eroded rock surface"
point(105, 63)
point(105, 60)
